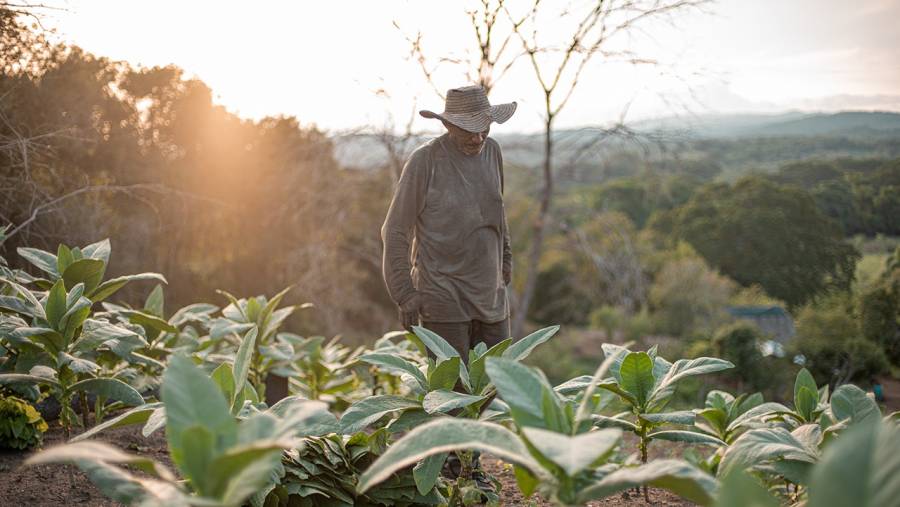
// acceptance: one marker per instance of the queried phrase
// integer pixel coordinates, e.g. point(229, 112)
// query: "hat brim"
point(477, 121)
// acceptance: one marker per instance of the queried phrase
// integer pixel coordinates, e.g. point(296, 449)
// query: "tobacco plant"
point(554, 447)
point(223, 460)
point(645, 383)
point(52, 342)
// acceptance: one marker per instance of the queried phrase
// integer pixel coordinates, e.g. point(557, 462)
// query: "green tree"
point(757, 232)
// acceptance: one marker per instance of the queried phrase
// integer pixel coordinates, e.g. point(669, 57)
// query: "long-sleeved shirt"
point(446, 234)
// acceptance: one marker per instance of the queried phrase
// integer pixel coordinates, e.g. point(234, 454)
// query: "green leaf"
point(192, 313)
point(680, 417)
point(30, 305)
point(45, 261)
point(759, 446)
point(111, 286)
point(636, 376)
point(137, 415)
point(242, 362)
point(444, 435)
point(155, 302)
point(426, 472)
point(805, 379)
point(111, 388)
point(805, 402)
point(192, 399)
point(63, 258)
point(92, 451)
point(223, 376)
point(243, 470)
point(757, 412)
point(21, 378)
point(691, 437)
point(677, 476)
point(861, 468)
point(396, 365)
point(739, 489)
point(99, 250)
point(443, 401)
point(303, 417)
point(602, 421)
point(522, 348)
point(56, 304)
point(445, 374)
point(523, 389)
point(368, 410)
point(851, 402)
point(437, 345)
point(686, 368)
point(477, 375)
point(97, 332)
point(149, 321)
point(198, 448)
point(86, 271)
point(576, 453)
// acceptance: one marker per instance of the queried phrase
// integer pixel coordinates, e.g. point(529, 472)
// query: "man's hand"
point(409, 311)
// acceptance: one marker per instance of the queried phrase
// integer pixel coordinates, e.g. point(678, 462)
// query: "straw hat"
point(468, 108)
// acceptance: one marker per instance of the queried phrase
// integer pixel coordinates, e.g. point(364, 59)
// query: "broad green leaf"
point(97, 332)
point(191, 398)
point(739, 489)
point(805, 379)
point(426, 472)
point(270, 307)
point(21, 378)
point(99, 250)
point(587, 406)
point(602, 421)
point(86, 271)
point(444, 435)
point(443, 401)
point(861, 468)
point(397, 365)
point(111, 286)
point(523, 390)
point(155, 302)
point(636, 376)
point(759, 446)
point(691, 437)
point(195, 455)
point(757, 412)
point(677, 476)
point(223, 376)
point(244, 469)
point(680, 417)
point(805, 402)
point(98, 452)
point(31, 304)
point(111, 388)
point(685, 368)
point(137, 415)
point(576, 453)
point(477, 375)
point(522, 348)
point(191, 313)
point(409, 419)
point(445, 374)
point(56, 304)
point(437, 345)
point(851, 402)
point(242, 362)
point(368, 410)
point(77, 364)
point(300, 417)
point(526, 481)
point(45, 261)
point(63, 258)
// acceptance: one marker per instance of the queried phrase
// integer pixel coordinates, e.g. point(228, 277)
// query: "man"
point(447, 259)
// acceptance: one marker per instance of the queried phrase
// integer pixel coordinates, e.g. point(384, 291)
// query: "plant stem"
point(84, 409)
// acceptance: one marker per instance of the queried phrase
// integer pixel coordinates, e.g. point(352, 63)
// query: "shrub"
point(21, 426)
point(687, 296)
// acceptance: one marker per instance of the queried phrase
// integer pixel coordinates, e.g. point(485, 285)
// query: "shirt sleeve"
point(507, 250)
point(399, 227)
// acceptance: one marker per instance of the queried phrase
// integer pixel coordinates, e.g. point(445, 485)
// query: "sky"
point(325, 62)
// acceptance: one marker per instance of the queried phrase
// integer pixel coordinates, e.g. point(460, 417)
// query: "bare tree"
point(558, 64)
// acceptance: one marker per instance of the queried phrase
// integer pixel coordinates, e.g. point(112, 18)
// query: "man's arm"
point(399, 229)
point(507, 250)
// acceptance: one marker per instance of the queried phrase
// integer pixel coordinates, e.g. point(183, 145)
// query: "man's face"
point(470, 143)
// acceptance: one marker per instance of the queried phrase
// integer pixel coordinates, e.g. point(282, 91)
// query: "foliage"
point(224, 461)
point(688, 297)
point(879, 310)
point(21, 426)
point(740, 343)
point(798, 253)
point(326, 469)
point(831, 343)
point(645, 383)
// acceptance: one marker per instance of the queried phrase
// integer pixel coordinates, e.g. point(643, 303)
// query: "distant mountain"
point(849, 133)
